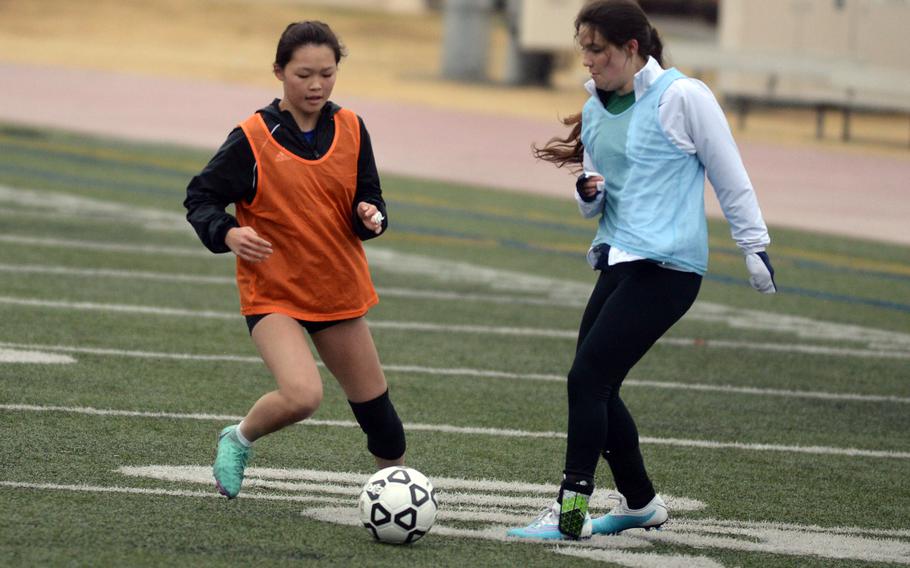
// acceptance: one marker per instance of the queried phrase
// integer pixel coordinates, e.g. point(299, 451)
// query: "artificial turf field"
point(777, 428)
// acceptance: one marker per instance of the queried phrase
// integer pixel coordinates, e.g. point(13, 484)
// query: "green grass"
point(850, 295)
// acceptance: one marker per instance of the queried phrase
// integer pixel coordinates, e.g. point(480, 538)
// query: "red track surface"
point(826, 191)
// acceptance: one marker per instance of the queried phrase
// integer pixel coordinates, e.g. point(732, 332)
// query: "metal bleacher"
point(846, 56)
point(748, 80)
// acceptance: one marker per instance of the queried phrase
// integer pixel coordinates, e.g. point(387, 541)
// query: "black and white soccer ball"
point(398, 505)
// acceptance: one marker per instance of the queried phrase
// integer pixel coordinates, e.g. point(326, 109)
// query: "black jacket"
point(230, 176)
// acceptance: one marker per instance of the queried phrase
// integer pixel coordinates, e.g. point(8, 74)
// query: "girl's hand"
point(761, 273)
point(588, 185)
point(370, 216)
point(245, 243)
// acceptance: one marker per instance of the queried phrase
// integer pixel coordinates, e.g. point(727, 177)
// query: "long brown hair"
point(566, 151)
point(617, 21)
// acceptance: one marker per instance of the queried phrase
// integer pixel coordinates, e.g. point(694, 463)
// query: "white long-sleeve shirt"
point(694, 122)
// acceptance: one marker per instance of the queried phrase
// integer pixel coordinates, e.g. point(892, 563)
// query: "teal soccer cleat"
point(621, 518)
point(230, 461)
point(546, 526)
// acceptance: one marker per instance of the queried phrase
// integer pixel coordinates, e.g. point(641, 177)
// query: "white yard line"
point(104, 247)
point(92, 210)
point(169, 277)
point(350, 483)
point(543, 288)
point(467, 372)
point(384, 291)
point(162, 492)
point(329, 503)
point(567, 334)
point(32, 356)
point(475, 431)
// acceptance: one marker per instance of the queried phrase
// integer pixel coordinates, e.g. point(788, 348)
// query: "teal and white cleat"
point(230, 461)
point(546, 526)
point(621, 518)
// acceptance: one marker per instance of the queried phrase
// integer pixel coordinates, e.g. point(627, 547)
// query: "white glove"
point(581, 181)
point(761, 274)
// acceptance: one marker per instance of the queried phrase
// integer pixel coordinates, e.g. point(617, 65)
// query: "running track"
point(829, 191)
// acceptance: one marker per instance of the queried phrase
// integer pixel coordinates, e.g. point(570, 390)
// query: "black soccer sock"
point(575, 483)
point(631, 478)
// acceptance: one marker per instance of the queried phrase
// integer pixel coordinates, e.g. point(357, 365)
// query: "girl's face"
point(612, 67)
point(309, 78)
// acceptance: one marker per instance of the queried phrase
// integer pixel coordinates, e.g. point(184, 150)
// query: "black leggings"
point(632, 305)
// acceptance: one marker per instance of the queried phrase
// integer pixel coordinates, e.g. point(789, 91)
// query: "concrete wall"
point(842, 49)
point(547, 24)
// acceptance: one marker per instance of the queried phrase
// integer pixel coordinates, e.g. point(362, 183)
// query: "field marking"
point(91, 208)
point(444, 270)
point(775, 538)
point(640, 559)
point(65, 204)
point(160, 492)
point(30, 356)
point(567, 334)
point(169, 277)
point(880, 349)
point(881, 352)
point(135, 353)
point(785, 393)
point(178, 278)
point(605, 547)
point(851, 543)
point(843, 543)
point(348, 512)
point(457, 490)
point(349, 483)
point(447, 271)
point(105, 247)
point(480, 373)
point(476, 431)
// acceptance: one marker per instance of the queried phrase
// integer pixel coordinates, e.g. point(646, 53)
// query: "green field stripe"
point(98, 157)
point(67, 146)
point(476, 431)
point(88, 175)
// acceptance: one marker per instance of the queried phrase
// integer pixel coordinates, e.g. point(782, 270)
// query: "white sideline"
point(566, 334)
point(480, 373)
point(476, 431)
point(458, 491)
point(32, 356)
point(384, 291)
point(768, 538)
point(448, 271)
point(104, 247)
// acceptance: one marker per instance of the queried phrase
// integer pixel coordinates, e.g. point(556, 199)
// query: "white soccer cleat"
point(621, 518)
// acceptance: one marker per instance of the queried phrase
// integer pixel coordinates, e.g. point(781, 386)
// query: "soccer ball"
point(398, 505)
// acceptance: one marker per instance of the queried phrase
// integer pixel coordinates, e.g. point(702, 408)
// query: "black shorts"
point(311, 326)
